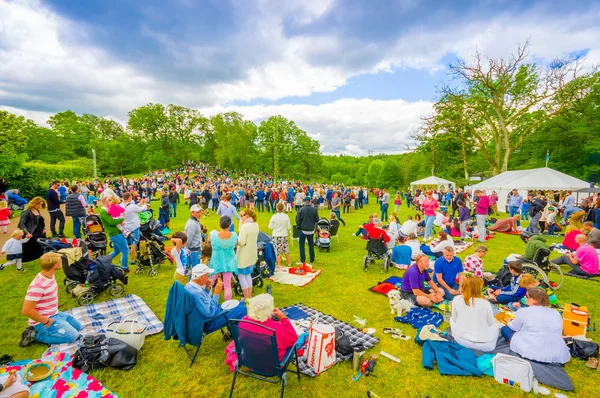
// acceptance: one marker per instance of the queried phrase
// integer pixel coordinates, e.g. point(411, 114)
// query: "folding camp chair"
point(334, 233)
point(294, 235)
point(205, 333)
point(257, 351)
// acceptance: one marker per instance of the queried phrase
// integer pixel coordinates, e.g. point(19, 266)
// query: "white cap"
point(200, 270)
point(195, 208)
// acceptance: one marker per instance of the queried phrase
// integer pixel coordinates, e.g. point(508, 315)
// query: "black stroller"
point(323, 234)
point(376, 250)
point(150, 249)
point(261, 269)
point(87, 283)
point(94, 235)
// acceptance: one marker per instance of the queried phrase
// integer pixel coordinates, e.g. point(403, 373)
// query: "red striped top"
point(44, 292)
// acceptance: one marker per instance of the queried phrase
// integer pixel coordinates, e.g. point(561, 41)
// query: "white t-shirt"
point(409, 227)
point(131, 215)
point(475, 322)
point(280, 224)
point(415, 247)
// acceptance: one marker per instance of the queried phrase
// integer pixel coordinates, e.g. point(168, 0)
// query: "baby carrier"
point(150, 248)
point(95, 238)
point(323, 234)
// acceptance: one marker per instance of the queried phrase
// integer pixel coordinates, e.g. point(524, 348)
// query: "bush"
point(35, 177)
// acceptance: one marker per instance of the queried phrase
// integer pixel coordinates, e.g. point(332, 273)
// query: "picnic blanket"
point(393, 282)
point(95, 317)
point(419, 317)
point(65, 381)
point(458, 247)
point(282, 276)
point(356, 336)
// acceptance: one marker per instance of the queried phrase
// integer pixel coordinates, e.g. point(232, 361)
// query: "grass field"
point(341, 290)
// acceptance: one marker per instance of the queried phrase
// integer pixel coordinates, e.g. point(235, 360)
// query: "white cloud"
point(352, 126)
point(39, 117)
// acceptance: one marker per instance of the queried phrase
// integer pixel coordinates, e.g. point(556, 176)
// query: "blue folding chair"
point(257, 351)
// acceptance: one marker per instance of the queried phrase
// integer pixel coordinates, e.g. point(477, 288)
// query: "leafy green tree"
point(389, 176)
point(14, 132)
point(373, 172)
point(234, 138)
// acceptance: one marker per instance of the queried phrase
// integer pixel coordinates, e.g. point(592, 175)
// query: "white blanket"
point(284, 277)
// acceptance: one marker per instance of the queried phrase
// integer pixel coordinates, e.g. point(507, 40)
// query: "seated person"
point(13, 386)
point(46, 323)
point(534, 243)
point(443, 241)
point(366, 226)
point(261, 310)
point(584, 261)
point(16, 198)
point(392, 231)
point(402, 254)
point(453, 229)
point(207, 303)
point(569, 241)
point(449, 273)
point(409, 227)
point(472, 322)
point(593, 234)
point(414, 244)
point(528, 281)
point(333, 222)
point(511, 293)
point(474, 263)
point(413, 284)
point(536, 331)
point(506, 224)
point(377, 232)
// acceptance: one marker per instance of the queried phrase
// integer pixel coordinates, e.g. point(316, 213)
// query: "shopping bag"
point(321, 347)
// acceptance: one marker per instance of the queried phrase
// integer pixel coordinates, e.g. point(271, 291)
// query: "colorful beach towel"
point(95, 317)
point(356, 336)
point(282, 276)
point(393, 282)
point(65, 381)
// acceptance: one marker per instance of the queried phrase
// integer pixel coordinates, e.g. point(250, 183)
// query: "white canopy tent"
point(432, 181)
point(544, 178)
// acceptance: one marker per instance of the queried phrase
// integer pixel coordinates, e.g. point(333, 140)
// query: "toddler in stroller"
point(323, 234)
point(150, 249)
point(377, 240)
point(95, 238)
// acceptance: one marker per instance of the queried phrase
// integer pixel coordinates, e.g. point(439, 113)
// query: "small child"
point(116, 211)
point(529, 282)
point(514, 291)
point(92, 201)
point(525, 210)
point(13, 248)
point(4, 215)
point(553, 227)
point(182, 256)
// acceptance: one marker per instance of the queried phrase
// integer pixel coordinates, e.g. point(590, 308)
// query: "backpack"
point(504, 276)
point(514, 371)
point(99, 351)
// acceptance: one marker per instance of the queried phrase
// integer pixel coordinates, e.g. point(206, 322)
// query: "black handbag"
point(582, 349)
point(342, 343)
point(98, 352)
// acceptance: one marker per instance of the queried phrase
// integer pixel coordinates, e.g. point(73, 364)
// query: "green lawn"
point(341, 290)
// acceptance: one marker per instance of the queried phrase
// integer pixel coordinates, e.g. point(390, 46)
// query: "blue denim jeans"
point(507, 333)
point(77, 223)
point(64, 329)
point(195, 256)
point(429, 226)
point(120, 246)
point(384, 212)
point(447, 295)
point(172, 210)
point(235, 313)
point(512, 211)
point(337, 213)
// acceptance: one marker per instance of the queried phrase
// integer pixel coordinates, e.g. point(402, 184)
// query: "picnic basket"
point(129, 330)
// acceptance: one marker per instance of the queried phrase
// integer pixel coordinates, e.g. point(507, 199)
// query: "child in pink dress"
point(116, 211)
point(4, 215)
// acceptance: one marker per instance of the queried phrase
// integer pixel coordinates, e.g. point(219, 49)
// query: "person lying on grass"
point(413, 284)
point(47, 324)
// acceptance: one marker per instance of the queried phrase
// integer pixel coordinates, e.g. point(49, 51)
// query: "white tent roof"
point(433, 180)
point(543, 178)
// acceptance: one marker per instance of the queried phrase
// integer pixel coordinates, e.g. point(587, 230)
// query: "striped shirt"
point(44, 292)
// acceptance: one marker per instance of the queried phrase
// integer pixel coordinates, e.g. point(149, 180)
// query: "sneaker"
point(21, 269)
point(1, 267)
point(28, 337)
point(62, 236)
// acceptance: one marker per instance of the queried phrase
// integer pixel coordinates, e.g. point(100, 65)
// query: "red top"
point(378, 233)
point(569, 241)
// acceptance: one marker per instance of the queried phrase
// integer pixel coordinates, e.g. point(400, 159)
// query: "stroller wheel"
point(86, 298)
point(152, 272)
point(70, 286)
point(259, 281)
point(366, 263)
point(139, 270)
point(238, 289)
point(116, 290)
point(386, 264)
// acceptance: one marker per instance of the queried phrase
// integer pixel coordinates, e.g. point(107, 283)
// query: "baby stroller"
point(13, 206)
point(261, 269)
point(54, 245)
point(323, 235)
point(95, 237)
point(376, 250)
point(150, 249)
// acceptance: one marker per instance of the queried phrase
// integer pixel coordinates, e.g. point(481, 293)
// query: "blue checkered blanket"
point(95, 317)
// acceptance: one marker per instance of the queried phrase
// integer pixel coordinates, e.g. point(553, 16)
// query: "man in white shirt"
point(132, 221)
point(409, 227)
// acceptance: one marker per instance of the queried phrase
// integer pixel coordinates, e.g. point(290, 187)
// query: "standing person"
point(223, 260)
point(173, 202)
point(56, 213)
point(536, 207)
point(385, 204)
point(493, 199)
point(246, 253)
point(182, 257)
point(62, 191)
point(280, 224)
point(228, 209)
point(131, 215)
point(306, 221)
point(514, 204)
point(75, 207)
point(429, 206)
point(193, 230)
point(46, 323)
point(114, 234)
point(481, 210)
point(397, 203)
point(13, 248)
point(360, 197)
point(463, 219)
point(409, 199)
point(163, 210)
point(33, 225)
point(460, 196)
point(336, 203)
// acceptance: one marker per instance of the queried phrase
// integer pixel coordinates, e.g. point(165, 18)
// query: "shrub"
point(35, 177)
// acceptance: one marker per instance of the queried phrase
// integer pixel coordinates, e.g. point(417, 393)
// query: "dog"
point(398, 304)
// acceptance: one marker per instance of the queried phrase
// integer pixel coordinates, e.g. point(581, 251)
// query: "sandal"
point(592, 363)
point(392, 330)
point(400, 336)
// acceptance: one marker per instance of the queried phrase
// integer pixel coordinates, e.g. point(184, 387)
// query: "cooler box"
point(575, 320)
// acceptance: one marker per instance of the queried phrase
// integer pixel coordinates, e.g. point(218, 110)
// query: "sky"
point(356, 75)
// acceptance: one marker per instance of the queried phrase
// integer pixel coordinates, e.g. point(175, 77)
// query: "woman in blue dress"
point(223, 259)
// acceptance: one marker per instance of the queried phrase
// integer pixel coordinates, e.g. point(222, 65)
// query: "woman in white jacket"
point(473, 324)
point(247, 251)
point(280, 224)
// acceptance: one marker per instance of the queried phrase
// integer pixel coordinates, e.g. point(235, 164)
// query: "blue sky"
point(356, 75)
